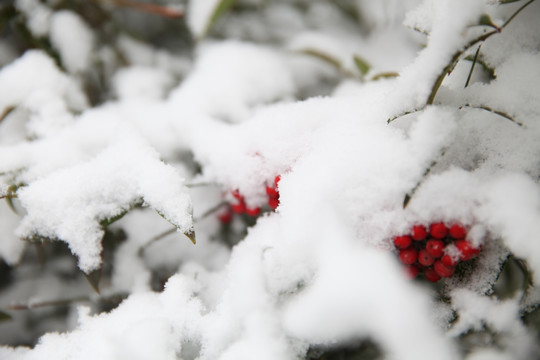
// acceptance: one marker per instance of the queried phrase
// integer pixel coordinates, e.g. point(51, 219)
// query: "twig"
point(457, 55)
point(404, 113)
point(497, 112)
point(165, 233)
point(6, 112)
point(411, 193)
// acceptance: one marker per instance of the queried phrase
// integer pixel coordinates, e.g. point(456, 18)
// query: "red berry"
point(438, 230)
point(253, 211)
point(431, 275)
point(408, 256)
point(276, 180)
point(402, 242)
point(411, 271)
point(424, 258)
point(457, 231)
point(435, 248)
point(272, 192)
point(467, 250)
point(239, 208)
point(449, 260)
point(225, 217)
point(237, 194)
point(419, 232)
point(273, 203)
point(442, 269)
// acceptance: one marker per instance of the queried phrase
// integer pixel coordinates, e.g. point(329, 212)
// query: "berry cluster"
point(240, 207)
point(436, 250)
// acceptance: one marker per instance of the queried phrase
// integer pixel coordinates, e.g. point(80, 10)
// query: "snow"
point(64, 206)
point(177, 133)
point(73, 39)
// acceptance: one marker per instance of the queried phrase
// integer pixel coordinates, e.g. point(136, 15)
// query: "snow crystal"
point(141, 82)
point(223, 80)
point(10, 246)
point(35, 83)
point(73, 39)
point(38, 16)
point(70, 204)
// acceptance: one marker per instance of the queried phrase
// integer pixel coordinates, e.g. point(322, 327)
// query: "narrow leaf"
point(385, 75)
point(222, 7)
point(485, 19)
point(94, 278)
point(361, 64)
point(191, 236)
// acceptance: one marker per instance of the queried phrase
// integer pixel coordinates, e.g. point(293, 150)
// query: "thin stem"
point(472, 66)
point(515, 14)
point(457, 55)
point(411, 193)
point(496, 112)
point(6, 112)
point(404, 113)
point(165, 233)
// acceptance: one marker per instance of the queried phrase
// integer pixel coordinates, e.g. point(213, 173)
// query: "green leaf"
point(327, 58)
point(361, 64)
point(485, 19)
point(4, 316)
point(222, 7)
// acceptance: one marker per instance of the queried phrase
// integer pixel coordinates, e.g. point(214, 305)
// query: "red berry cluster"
point(273, 193)
point(435, 252)
point(240, 207)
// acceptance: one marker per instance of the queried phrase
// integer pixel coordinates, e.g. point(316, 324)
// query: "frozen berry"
point(239, 208)
point(253, 211)
point(449, 260)
point(438, 230)
point(419, 232)
point(272, 192)
point(402, 242)
point(273, 203)
point(457, 231)
point(466, 249)
point(431, 275)
point(435, 248)
point(277, 180)
point(411, 271)
point(225, 217)
point(408, 256)
point(442, 269)
point(424, 258)
point(237, 194)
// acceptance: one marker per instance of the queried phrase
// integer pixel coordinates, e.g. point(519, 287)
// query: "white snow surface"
point(320, 271)
point(73, 39)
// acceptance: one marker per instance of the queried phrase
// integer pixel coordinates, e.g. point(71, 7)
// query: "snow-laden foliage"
point(127, 130)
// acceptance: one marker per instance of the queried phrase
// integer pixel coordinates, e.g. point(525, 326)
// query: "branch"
point(496, 112)
point(459, 53)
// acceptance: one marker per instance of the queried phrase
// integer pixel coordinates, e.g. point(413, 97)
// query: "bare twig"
point(459, 53)
point(497, 112)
